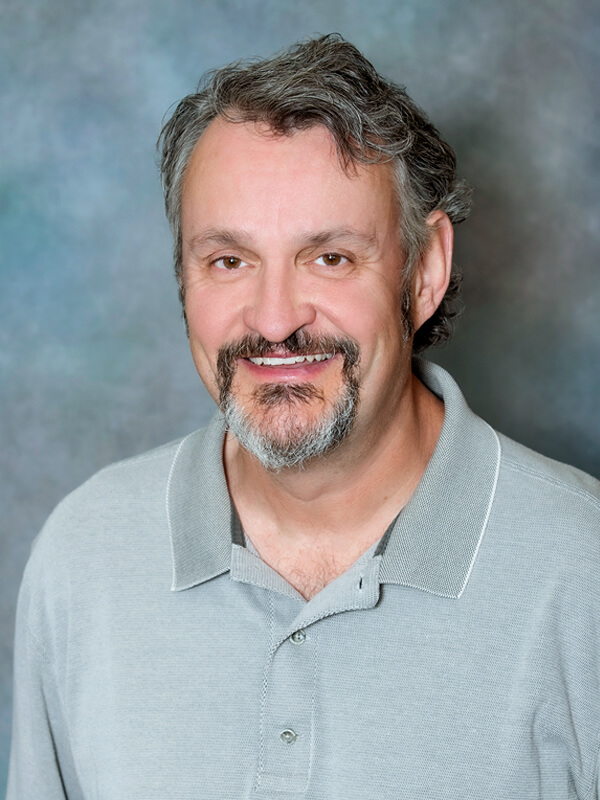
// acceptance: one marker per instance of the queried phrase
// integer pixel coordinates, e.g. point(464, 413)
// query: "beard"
point(273, 431)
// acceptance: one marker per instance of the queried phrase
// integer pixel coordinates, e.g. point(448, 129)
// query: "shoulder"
point(553, 482)
point(109, 536)
point(118, 487)
point(549, 509)
point(125, 502)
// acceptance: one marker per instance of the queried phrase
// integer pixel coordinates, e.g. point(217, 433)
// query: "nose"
point(277, 305)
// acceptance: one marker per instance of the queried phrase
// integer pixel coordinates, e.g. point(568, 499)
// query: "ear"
point(432, 273)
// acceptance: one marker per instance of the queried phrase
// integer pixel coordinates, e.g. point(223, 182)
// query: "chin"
point(291, 437)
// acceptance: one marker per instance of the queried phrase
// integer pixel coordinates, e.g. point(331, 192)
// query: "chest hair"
point(307, 571)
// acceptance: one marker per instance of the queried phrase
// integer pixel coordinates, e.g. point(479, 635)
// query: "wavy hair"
point(327, 81)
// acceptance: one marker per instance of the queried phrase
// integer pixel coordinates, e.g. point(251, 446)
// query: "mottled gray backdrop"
point(93, 359)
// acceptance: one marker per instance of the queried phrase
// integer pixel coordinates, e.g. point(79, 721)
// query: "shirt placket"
point(287, 714)
point(287, 719)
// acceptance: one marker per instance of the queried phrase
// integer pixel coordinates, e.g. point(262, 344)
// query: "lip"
point(288, 373)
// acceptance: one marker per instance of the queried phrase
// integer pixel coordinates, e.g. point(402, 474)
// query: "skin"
point(277, 238)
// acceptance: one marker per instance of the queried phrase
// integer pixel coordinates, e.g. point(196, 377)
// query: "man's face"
point(293, 285)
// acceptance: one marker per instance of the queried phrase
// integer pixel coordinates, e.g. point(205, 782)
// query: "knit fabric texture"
point(158, 657)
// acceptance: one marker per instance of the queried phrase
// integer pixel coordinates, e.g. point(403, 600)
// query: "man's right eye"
point(229, 262)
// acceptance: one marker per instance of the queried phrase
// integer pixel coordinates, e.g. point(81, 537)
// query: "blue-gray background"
point(93, 359)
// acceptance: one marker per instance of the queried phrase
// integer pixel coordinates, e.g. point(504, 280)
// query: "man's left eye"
point(331, 260)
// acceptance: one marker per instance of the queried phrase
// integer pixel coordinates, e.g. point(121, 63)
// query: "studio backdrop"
point(94, 364)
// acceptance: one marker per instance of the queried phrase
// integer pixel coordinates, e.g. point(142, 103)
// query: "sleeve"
point(41, 764)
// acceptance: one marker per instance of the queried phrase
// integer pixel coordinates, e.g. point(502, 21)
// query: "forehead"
point(247, 172)
point(232, 143)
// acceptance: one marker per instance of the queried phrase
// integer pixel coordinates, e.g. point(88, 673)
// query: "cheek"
point(369, 313)
point(210, 318)
point(209, 328)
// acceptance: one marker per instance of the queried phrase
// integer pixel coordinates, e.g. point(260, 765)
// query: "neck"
point(345, 501)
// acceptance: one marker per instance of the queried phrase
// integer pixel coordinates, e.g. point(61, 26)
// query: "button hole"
point(360, 583)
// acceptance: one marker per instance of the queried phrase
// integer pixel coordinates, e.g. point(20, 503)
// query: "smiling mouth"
point(275, 361)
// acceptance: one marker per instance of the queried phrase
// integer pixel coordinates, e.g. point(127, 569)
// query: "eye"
point(331, 260)
point(229, 262)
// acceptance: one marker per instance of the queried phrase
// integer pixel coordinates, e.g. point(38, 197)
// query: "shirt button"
point(288, 736)
point(298, 637)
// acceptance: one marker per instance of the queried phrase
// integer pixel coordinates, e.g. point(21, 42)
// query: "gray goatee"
point(291, 443)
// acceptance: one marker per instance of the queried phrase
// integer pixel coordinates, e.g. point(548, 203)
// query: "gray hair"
point(327, 81)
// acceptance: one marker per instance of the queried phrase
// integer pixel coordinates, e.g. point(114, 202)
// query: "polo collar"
point(199, 508)
point(434, 541)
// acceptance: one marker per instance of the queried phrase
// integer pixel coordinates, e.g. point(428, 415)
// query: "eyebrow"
point(241, 238)
point(321, 238)
point(220, 237)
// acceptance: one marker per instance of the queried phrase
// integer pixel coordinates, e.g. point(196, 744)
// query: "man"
point(348, 585)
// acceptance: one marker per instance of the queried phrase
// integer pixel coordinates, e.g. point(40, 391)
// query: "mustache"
point(299, 343)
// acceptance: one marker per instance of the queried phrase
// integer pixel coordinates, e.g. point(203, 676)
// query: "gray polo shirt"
point(459, 658)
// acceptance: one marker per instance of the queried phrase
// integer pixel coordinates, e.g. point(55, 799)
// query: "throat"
point(308, 570)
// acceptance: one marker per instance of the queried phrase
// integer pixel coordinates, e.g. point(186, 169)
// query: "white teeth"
point(278, 362)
